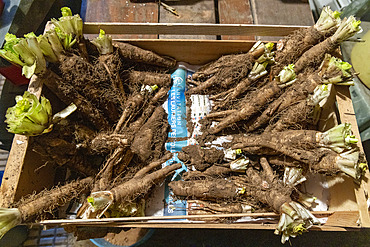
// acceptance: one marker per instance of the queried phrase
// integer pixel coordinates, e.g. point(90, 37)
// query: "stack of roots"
point(258, 144)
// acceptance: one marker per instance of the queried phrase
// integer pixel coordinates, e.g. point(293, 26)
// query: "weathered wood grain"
point(282, 12)
point(235, 12)
point(347, 115)
point(190, 30)
point(343, 218)
point(190, 11)
point(120, 11)
point(278, 12)
point(25, 172)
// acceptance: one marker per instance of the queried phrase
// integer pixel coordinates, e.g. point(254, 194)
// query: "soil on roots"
point(149, 141)
point(294, 46)
point(200, 158)
point(90, 82)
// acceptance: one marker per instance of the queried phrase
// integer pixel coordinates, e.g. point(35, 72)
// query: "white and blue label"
point(176, 109)
point(172, 206)
point(177, 105)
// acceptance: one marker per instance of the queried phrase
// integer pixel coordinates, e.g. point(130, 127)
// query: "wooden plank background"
point(120, 11)
point(235, 12)
point(279, 12)
point(294, 12)
point(190, 11)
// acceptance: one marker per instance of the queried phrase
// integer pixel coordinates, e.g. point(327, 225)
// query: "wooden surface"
point(235, 12)
point(184, 50)
point(163, 219)
point(337, 221)
point(120, 11)
point(188, 30)
point(342, 184)
point(276, 12)
point(190, 11)
point(343, 219)
point(24, 173)
point(282, 12)
point(347, 115)
point(13, 170)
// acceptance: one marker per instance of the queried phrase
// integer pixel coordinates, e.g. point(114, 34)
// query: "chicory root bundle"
point(128, 191)
point(287, 76)
point(293, 46)
point(332, 71)
point(255, 101)
point(32, 52)
point(148, 78)
point(303, 114)
point(312, 57)
point(68, 94)
point(96, 87)
point(148, 143)
point(312, 148)
point(54, 48)
point(200, 158)
point(263, 187)
point(43, 202)
point(305, 156)
point(306, 113)
point(125, 130)
point(235, 188)
point(225, 71)
point(350, 162)
point(258, 71)
point(338, 138)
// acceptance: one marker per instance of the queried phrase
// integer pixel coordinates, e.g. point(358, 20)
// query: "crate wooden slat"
point(189, 28)
point(347, 114)
point(24, 172)
point(337, 221)
point(184, 50)
point(178, 217)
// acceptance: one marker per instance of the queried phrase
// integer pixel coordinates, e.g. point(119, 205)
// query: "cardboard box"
point(347, 210)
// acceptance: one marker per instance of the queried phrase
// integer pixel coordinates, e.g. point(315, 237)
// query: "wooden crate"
point(25, 173)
